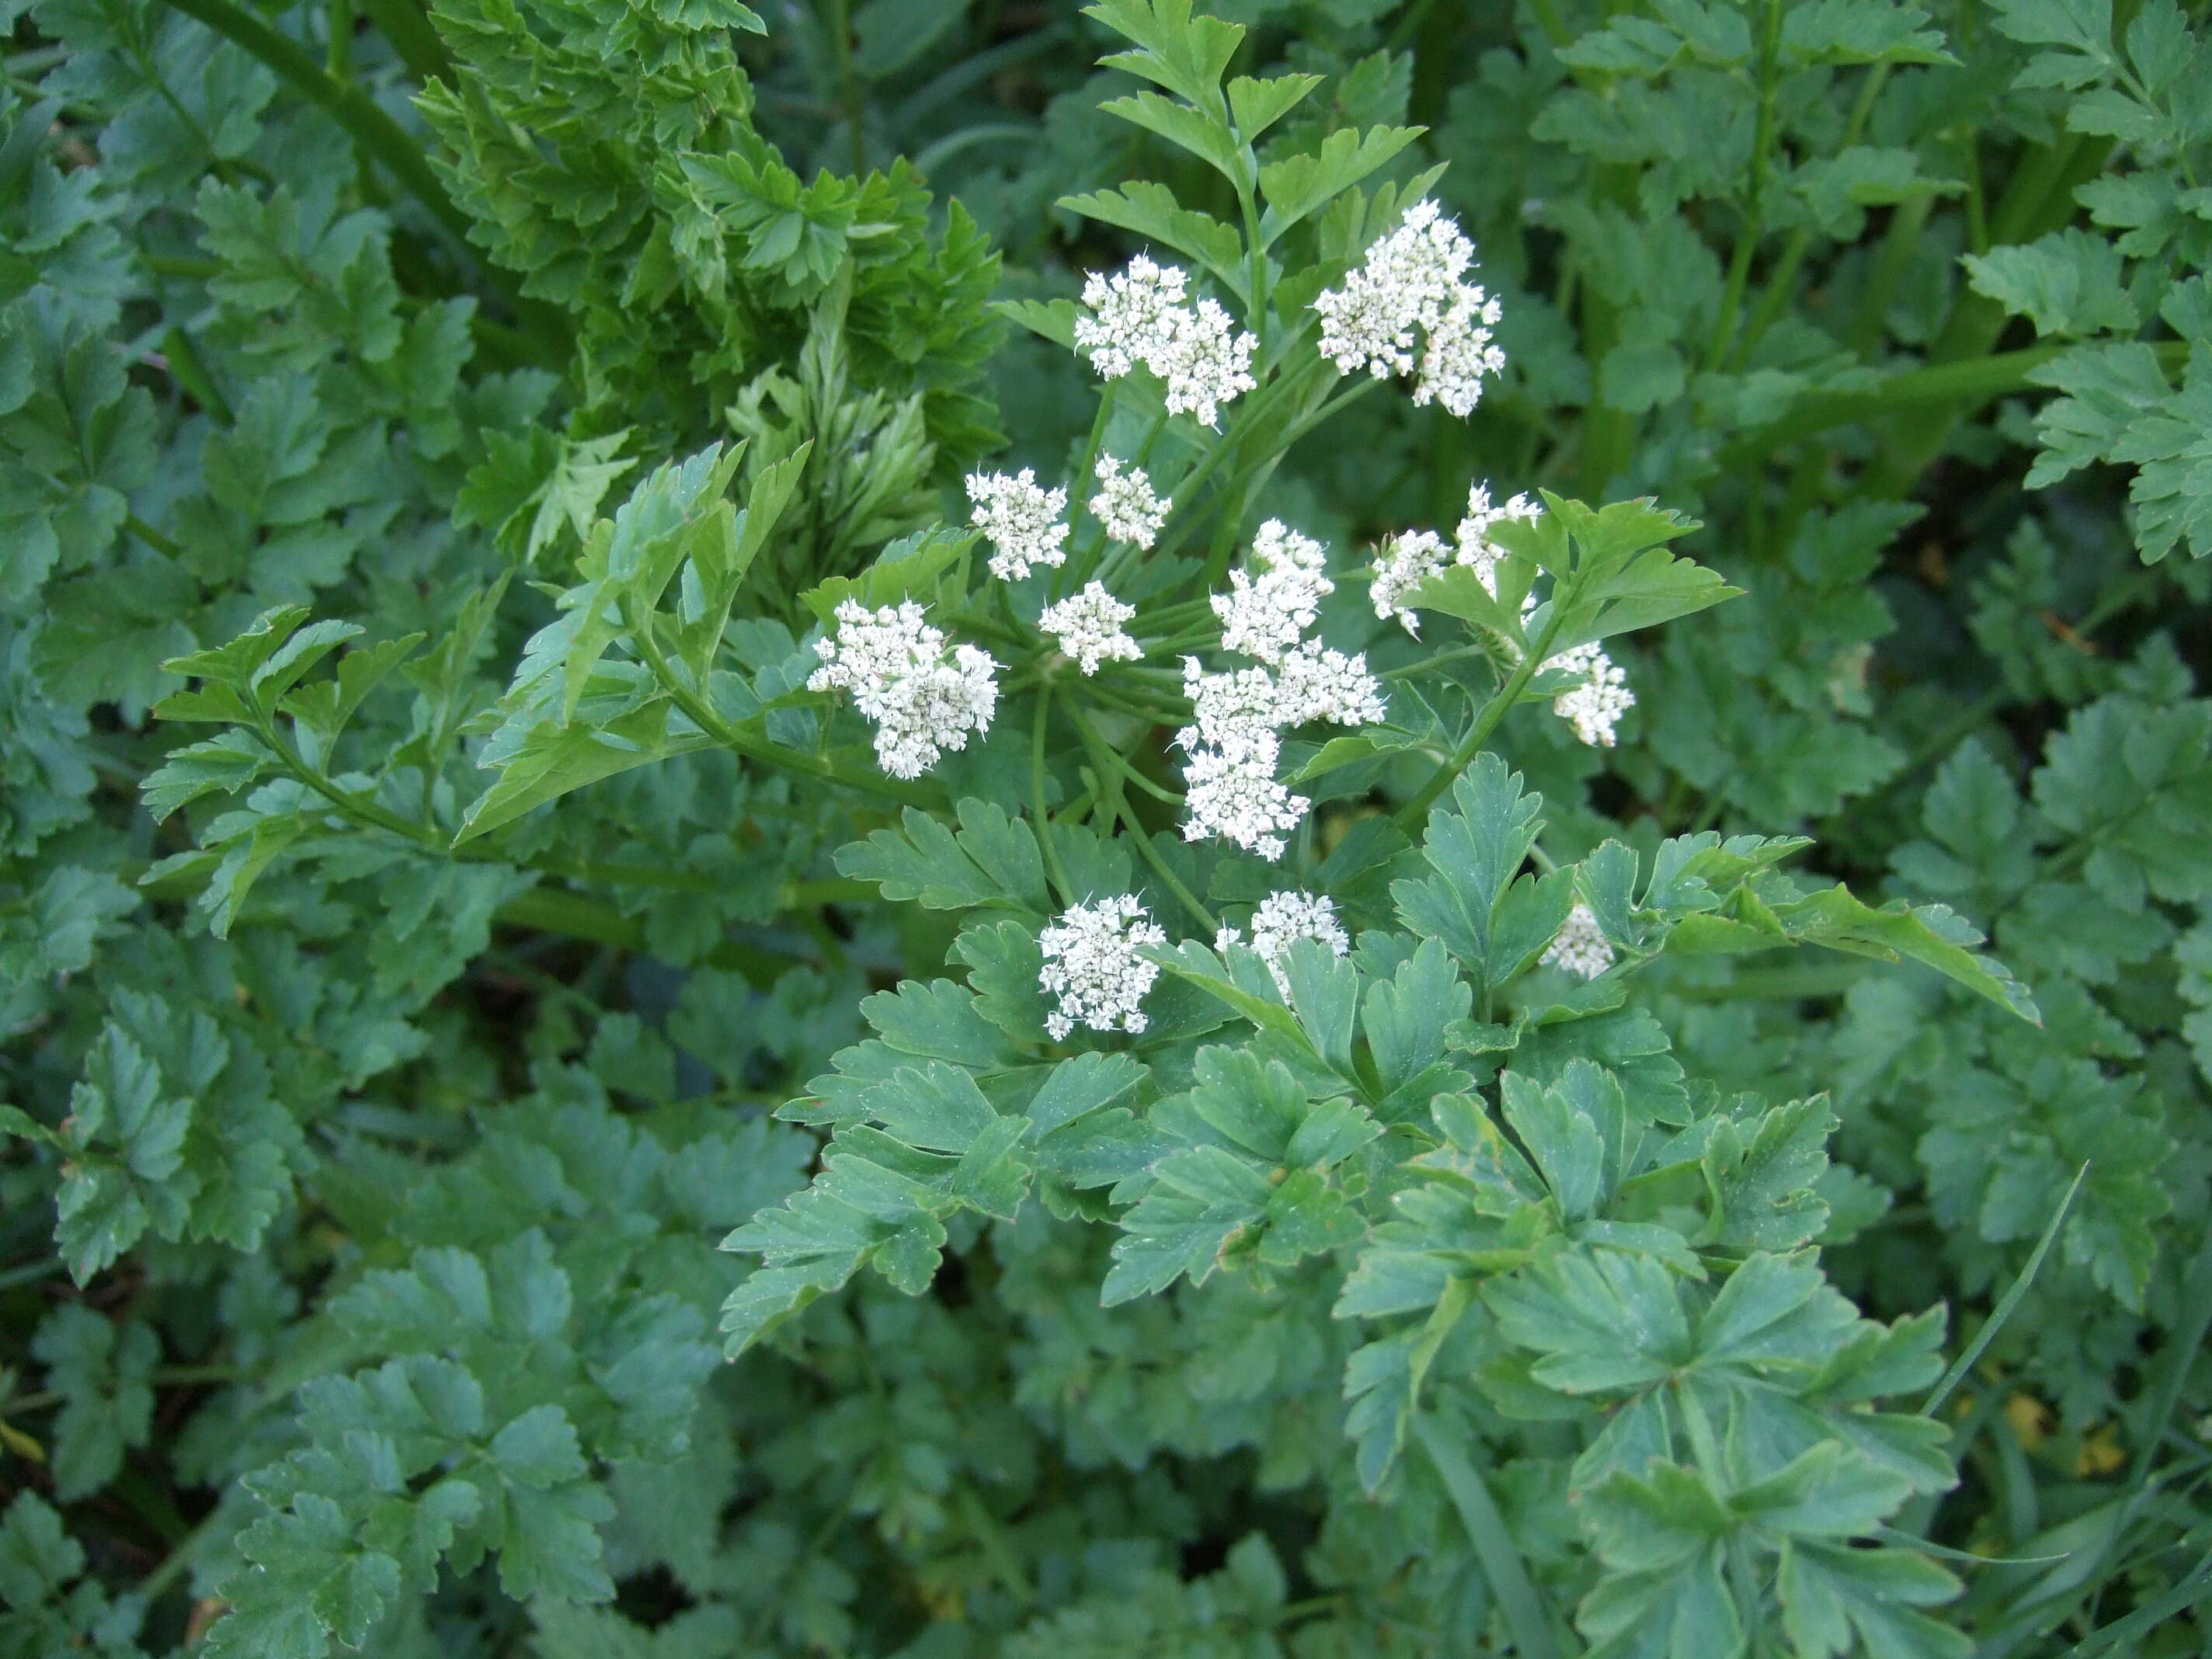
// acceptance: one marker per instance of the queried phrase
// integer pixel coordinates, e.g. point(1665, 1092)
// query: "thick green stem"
point(402, 23)
point(1951, 388)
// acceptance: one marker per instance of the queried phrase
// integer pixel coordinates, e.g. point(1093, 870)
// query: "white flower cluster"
point(1141, 315)
point(1475, 546)
point(1234, 794)
point(1407, 310)
point(1021, 519)
point(923, 698)
point(1235, 740)
point(1125, 505)
point(1265, 614)
point(1316, 684)
point(1089, 627)
point(1581, 947)
point(1280, 921)
point(1594, 706)
point(1092, 966)
point(1403, 563)
point(1407, 560)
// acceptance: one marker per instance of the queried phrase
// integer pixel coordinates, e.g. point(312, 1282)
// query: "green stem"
point(337, 61)
point(1754, 213)
point(1072, 574)
point(1411, 815)
point(1784, 277)
point(1111, 769)
point(850, 96)
point(1501, 1566)
point(1963, 386)
point(1040, 801)
point(153, 537)
point(401, 22)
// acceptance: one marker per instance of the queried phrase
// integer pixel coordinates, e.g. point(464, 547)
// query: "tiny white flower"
point(1594, 706)
point(1314, 683)
point(1093, 968)
point(1022, 521)
point(1581, 947)
point(1281, 921)
point(1125, 505)
point(1402, 564)
point(1276, 546)
point(923, 698)
point(1234, 795)
point(1090, 627)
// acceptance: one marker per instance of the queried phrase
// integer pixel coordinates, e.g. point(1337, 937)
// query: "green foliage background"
point(376, 1116)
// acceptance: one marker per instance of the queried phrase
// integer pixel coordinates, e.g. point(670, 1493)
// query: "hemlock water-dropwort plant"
point(1215, 999)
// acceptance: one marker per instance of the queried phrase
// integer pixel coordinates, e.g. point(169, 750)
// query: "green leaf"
point(2068, 284)
point(1603, 1321)
point(1200, 1199)
point(1834, 1598)
point(103, 1374)
point(1471, 904)
point(991, 859)
point(1186, 53)
point(1763, 1174)
point(1204, 135)
point(126, 1136)
point(224, 764)
point(1151, 211)
point(1296, 186)
point(547, 761)
point(1257, 105)
point(1929, 935)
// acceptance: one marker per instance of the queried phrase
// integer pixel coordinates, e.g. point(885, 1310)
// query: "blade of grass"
point(2149, 1616)
point(2170, 1367)
point(1494, 1549)
point(1906, 1541)
point(2004, 1309)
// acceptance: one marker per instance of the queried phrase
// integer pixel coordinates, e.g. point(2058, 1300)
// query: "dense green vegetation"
point(665, 994)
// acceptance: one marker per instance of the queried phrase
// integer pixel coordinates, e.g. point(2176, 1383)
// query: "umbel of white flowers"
point(1091, 628)
point(923, 697)
point(1235, 740)
point(1279, 922)
point(1407, 310)
point(1125, 506)
point(1594, 704)
point(1021, 521)
point(1581, 947)
point(1141, 317)
point(1094, 968)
